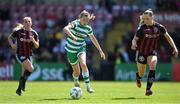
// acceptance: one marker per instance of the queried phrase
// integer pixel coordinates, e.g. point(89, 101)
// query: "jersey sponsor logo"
point(155, 29)
point(141, 58)
point(25, 40)
point(152, 36)
point(23, 34)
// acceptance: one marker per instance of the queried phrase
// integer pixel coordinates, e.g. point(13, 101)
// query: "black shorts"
point(141, 58)
point(21, 59)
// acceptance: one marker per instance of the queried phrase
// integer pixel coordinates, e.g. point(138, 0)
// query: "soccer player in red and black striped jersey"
point(26, 38)
point(145, 42)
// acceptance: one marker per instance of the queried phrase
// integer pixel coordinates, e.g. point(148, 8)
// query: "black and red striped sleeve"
point(162, 29)
point(36, 37)
point(139, 32)
point(14, 34)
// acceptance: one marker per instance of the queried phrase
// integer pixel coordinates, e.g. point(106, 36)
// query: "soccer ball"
point(76, 93)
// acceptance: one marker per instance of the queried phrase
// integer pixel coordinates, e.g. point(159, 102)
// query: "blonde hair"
point(26, 18)
point(147, 12)
point(86, 13)
point(17, 27)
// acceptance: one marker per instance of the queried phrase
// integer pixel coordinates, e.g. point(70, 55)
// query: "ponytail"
point(92, 17)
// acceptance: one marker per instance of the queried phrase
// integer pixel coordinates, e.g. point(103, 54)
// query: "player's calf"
point(24, 79)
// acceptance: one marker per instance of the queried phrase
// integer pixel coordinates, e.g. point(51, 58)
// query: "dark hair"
point(149, 12)
point(86, 13)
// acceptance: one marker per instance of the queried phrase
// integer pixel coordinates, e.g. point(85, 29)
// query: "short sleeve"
point(90, 32)
point(73, 24)
point(14, 34)
point(139, 32)
point(36, 37)
point(162, 29)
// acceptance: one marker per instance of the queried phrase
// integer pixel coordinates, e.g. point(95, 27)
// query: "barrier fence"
point(56, 71)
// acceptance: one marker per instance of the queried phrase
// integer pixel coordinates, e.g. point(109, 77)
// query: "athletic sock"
point(26, 74)
point(24, 79)
point(76, 79)
point(151, 79)
point(20, 82)
point(137, 76)
point(86, 78)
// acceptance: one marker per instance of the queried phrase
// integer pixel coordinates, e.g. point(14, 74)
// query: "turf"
point(106, 93)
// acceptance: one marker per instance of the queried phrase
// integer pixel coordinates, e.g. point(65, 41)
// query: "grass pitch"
point(105, 93)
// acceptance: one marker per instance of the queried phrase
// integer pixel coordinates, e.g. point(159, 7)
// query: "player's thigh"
point(27, 65)
point(82, 59)
point(152, 62)
point(72, 58)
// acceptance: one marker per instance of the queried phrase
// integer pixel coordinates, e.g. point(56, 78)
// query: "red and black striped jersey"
point(24, 45)
point(149, 37)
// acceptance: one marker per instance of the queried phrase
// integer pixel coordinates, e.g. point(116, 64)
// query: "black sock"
point(151, 79)
point(20, 81)
point(137, 76)
point(26, 75)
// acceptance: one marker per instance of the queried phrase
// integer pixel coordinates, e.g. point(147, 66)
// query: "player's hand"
point(74, 38)
point(32, 38)
point(175, 53)
point(102, 55)
point(133, 46)
point(13, 46)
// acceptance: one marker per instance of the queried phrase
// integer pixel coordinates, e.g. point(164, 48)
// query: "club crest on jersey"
point(155, 29)
point(141, 58)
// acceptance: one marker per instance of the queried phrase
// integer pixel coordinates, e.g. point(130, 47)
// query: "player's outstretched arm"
point(171, 42)
point(95, 42)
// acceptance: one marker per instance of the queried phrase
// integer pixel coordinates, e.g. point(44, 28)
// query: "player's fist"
point(31, 38)
point(175, 53)
point(13, 46)
point(133, 46)
point(102, 55)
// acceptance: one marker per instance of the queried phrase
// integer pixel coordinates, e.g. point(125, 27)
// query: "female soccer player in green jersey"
point(77, 31)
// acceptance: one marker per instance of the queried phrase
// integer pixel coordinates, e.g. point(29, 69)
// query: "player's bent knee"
point(76, 72)
point(31, 69)
point(83, 65)
point(153, 65)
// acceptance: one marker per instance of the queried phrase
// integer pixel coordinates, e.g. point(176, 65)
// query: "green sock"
point(86, 78)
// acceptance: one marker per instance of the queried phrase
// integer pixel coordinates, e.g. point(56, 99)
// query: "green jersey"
point(80, 32)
